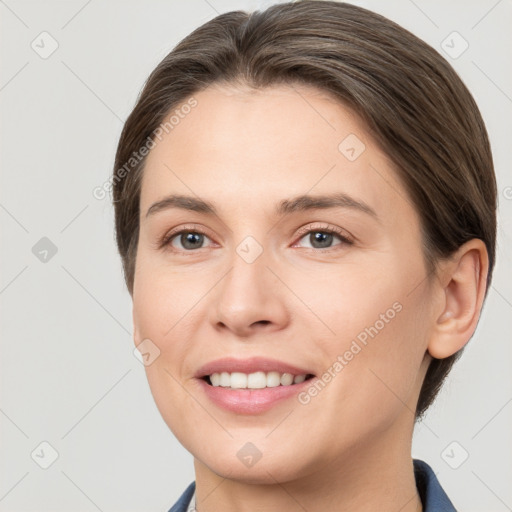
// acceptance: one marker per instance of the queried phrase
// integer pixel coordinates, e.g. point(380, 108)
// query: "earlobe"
point(465, 282)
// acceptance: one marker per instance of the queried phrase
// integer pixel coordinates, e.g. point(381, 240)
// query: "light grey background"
point(68, 373)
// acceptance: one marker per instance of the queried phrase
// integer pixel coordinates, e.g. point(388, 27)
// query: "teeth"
point(257, 380)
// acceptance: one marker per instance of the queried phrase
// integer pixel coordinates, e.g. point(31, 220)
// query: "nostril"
point(262, 322)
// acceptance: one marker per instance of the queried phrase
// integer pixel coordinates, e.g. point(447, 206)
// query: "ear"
point(464, 280)
point(136, 334)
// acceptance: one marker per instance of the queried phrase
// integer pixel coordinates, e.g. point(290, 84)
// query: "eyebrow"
point(295, 204)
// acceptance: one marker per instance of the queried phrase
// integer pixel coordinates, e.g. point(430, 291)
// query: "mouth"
point(252, 393)
point(256, 380)
point(255, 373)
point(253, 385)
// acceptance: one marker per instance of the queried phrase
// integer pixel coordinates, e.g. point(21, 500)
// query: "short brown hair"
point(411, 100)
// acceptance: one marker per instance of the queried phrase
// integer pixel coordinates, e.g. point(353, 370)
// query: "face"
point(335, 288)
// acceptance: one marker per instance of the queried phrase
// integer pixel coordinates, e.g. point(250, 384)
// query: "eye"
point(323, 237)
point(192, 239)
point(184, 240)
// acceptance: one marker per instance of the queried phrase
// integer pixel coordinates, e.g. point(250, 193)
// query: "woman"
point(305, 209)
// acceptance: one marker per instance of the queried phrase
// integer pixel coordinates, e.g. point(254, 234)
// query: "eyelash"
point(331, 230)
point(165, 240)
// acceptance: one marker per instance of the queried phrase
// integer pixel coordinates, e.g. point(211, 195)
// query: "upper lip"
point(251, 365)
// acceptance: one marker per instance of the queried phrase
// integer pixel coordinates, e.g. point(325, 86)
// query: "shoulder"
point(184, 500)
point(432, 495)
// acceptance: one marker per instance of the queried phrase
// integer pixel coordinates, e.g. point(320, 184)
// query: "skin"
point(349, 448)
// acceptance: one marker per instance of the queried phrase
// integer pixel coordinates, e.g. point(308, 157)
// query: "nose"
point(250, 299)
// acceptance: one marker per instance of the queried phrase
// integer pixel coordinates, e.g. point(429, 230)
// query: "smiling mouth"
point(299, 378)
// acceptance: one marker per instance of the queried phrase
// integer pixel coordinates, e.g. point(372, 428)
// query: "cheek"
point(390, 355)
point(165, 301)
point(354, 300)
point(374, 380)
point(376, 344)
point(164, 312)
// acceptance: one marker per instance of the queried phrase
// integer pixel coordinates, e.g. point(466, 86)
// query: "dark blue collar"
point(432, 495)
point(182, 504)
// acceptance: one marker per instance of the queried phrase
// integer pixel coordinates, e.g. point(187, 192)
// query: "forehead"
point(241, 144)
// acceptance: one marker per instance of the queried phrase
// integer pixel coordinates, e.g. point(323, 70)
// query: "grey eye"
point(189, 240)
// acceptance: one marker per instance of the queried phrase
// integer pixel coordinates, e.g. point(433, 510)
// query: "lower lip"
point(251, 401)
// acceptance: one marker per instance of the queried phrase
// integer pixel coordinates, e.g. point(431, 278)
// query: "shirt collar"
point(432, 495)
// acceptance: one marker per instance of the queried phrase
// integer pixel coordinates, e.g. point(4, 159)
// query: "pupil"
point(190, 240)
point(322, 238)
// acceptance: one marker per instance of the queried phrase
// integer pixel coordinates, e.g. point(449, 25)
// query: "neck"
point(377, 475)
